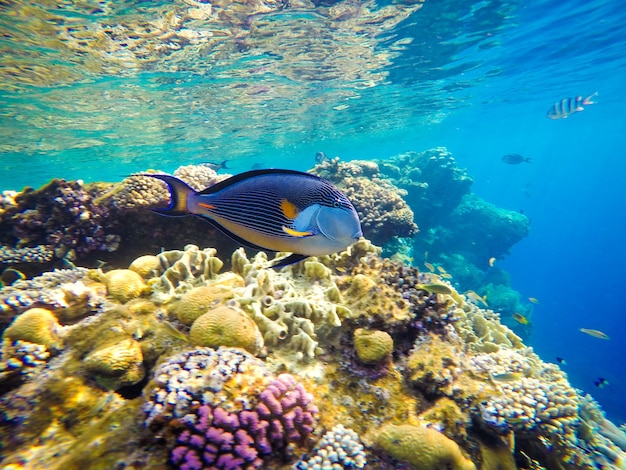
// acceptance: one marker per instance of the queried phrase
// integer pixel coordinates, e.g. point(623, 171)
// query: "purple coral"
point(229, 440)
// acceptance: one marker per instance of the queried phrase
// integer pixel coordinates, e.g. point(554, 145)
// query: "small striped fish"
point(568, 106)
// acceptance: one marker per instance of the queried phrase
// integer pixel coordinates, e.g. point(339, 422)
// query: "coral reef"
point(405, 371)
point(60, 218)
point(382, 210)
point(244, 414)
point(433, 183)
point(124, 284)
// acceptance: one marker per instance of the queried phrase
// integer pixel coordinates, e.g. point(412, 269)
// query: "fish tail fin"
point(179, 190)
point(224, 165)
point(528, 160)
point(589, 99)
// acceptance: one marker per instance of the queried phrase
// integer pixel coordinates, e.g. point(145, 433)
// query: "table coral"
point(226, 326)
point(423, 447)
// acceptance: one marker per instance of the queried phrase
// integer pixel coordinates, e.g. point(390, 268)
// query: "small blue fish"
point(275, 210)
point(216, 166)
point(568, 106)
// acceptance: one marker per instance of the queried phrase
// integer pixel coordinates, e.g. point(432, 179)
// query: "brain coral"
point(226, 326)
point(146, 266)
point(372, 346)
point(424, 448)
point(117, 365)
point(36, 325)
point(124, 284)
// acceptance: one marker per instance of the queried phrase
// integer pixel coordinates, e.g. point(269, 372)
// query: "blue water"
point(476, 77)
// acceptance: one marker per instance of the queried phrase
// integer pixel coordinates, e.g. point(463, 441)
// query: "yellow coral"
point(199, 300)
point(372, 346)
point(146, 266)
point(424, 448)
point(225, 326)
point(117, 365)
point(124, 284)
point(37, 325)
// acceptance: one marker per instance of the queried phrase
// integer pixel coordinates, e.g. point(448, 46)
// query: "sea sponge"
point(117, 365)
point(37, 325)
point(225, 326)
point(146, 266)
point(372, 346)
point(424, 448)
point(124, 284)
point(199, 300)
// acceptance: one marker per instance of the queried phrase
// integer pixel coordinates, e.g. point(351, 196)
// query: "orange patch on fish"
point(289, 209)
point(206, 206)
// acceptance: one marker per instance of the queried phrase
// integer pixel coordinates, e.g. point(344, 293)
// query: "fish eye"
point(336, 203)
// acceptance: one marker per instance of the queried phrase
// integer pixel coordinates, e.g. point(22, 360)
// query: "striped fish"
point(568, 106)
point(275, 210)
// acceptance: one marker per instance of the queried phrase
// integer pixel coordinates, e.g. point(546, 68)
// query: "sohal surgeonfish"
point(275, 210)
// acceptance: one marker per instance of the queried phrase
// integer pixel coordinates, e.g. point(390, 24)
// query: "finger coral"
point(232, 413)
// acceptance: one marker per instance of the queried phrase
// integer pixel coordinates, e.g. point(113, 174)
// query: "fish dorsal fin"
point(251, 174)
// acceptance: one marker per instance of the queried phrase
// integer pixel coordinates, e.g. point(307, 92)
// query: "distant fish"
point(320, 157)
point(430, 267)
point(568, 106)
point(442, 270)
point(258, 166)
point(275, 210)
point(519, 318)
point(445, 276)
point(216, 166)
point(507, 377)
point(601, 383)
point(533, 300)
point(561, 361)
point(594, 333)
point(515, 159)
point(473, 296)
point(492, 261)
point(436, 288)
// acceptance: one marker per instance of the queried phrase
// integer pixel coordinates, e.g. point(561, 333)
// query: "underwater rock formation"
point(433, 183)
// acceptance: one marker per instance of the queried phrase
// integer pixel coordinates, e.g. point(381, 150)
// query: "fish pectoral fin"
point(291, 259)
point(296, 233)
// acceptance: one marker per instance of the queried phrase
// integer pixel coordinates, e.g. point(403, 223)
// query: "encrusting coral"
point(423, 447)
